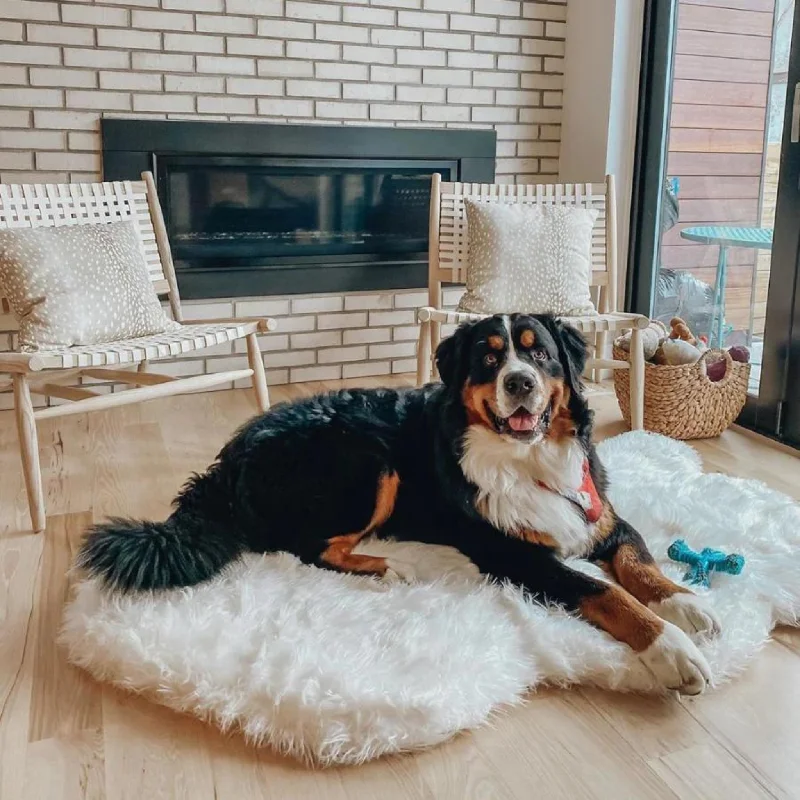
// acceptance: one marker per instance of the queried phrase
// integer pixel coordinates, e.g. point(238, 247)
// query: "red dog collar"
point(585, 497)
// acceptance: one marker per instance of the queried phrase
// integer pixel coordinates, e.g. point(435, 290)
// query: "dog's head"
point(517, 374)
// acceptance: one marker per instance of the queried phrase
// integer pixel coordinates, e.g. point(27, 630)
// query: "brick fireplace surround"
point(409, 63)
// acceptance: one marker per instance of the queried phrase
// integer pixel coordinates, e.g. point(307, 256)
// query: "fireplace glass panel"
point(270, 211)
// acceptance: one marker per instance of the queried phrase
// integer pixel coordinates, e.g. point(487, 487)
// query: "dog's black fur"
point(306, 472)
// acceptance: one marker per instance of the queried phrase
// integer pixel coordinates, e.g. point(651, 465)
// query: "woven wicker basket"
point(681, 402)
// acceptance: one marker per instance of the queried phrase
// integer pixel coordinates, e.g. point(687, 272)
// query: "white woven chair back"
point(37, 205)
point(450, 253)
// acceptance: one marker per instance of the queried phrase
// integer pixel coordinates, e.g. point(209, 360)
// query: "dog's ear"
point(572, 350)
point(451, 356)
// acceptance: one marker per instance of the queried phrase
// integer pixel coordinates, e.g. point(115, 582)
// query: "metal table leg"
point(718, 316)
point(753, 285)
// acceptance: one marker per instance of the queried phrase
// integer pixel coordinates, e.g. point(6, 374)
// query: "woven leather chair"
point(449, 252)
point(50, 372)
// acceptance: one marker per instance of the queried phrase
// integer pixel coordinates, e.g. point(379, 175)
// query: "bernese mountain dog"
point(496, 461)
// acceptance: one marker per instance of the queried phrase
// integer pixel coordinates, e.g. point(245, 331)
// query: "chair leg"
point(142, 367)
point(256, 361)
point(436, 338)
point(601, 345)
point(637, 380)
point(424, 354)
point(29, 450)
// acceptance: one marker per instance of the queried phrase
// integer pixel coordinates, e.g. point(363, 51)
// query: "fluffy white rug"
point(341, 669)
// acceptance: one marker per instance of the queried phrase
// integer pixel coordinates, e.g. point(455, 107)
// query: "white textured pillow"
point(533, 259)
point(79, 285)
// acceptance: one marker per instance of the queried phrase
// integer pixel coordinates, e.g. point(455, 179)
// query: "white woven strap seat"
point(145, 348)
point(589, 324)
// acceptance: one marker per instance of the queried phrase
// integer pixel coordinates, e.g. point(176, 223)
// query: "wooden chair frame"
point(449, 250)
point(46, 372)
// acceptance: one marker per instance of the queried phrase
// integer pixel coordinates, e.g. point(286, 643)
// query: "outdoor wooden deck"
point(717, 140)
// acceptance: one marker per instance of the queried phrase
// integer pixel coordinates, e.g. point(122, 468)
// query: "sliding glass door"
point(716, 212)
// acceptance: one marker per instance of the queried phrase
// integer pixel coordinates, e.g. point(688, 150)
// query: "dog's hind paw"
point(429, 563)
point(399, 571)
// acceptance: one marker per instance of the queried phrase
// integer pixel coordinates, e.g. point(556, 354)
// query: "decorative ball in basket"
point(696, 400)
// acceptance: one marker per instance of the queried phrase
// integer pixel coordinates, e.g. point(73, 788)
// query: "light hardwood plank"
point(567, 750)
point(152, 752)
point(788, 637)
point(756, 718)
point(244, 771)
point(149, 750)
point(707, 772)
point(66, 700)
point(658, 728)
point(61, 736)
point(461, 769)
point(68, 464)
point(20, 561)
point(67, 767)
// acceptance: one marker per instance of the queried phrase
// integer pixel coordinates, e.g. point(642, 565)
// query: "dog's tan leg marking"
point(624, 617)
point(339, 552)
point(645, 581)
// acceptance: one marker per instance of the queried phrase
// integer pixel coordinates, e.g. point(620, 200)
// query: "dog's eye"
point(490, 359)
point(540, 355)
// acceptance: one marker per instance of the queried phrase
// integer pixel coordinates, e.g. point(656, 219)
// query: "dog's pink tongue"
point(522, 421)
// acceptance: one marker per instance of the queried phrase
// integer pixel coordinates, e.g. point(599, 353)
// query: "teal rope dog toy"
point(702, 564)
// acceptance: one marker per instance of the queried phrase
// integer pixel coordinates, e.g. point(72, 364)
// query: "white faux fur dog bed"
point(341, 669)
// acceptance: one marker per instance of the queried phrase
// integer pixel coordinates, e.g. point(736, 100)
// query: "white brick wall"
point(449, 63)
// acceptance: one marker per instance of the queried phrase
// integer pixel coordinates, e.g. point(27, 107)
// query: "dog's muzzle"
point(520, 398)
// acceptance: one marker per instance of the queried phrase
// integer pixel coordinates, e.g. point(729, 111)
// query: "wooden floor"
point(64, 736)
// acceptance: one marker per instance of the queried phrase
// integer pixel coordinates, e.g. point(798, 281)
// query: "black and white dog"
point(496, 461)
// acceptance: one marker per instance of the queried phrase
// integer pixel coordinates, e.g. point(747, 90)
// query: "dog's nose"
point(519, 384)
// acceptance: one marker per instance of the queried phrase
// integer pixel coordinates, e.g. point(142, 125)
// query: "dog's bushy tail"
point(192, 545)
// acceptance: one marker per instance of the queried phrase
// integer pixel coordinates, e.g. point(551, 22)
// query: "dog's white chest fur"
point(510, 496)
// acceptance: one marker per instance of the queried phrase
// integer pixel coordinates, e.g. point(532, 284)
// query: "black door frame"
point(769, 412)
point(784, 290)
point(652, 139)
point(791, 417)
point(773, 412)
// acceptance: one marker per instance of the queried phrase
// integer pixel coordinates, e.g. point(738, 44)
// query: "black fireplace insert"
point(254, 209)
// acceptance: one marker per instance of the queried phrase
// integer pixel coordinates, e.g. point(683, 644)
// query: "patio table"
point(725, 237)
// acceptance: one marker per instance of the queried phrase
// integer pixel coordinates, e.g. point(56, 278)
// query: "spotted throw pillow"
point(79, 285)
point(534, 259)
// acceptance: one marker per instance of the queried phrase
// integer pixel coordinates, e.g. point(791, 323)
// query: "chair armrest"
point(264, 323)
point(20, 363)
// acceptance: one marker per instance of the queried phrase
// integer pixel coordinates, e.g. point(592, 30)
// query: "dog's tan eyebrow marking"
point(527, 338)
point(496, 342)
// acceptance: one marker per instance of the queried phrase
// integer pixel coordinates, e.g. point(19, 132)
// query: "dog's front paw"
point(676, 662)
point(692, 614)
